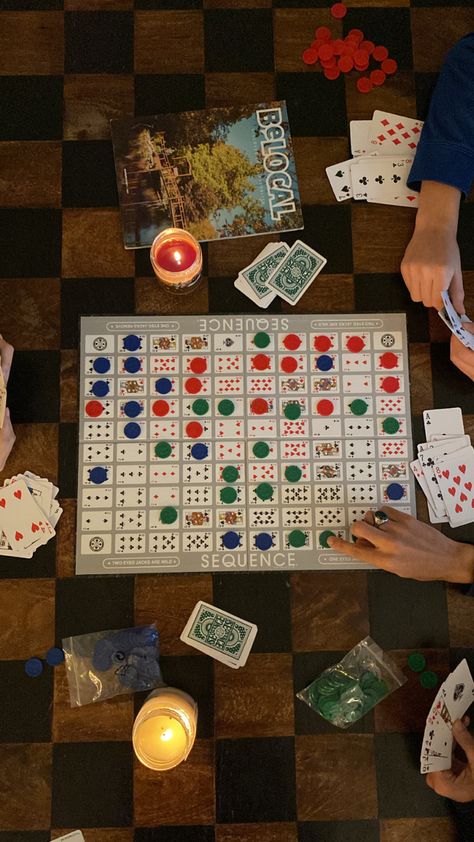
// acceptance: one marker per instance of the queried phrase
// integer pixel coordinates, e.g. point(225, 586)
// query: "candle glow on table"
point(165, 729)
point(176, 258)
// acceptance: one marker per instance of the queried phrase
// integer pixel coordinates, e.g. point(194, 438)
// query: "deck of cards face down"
point(451, 703)
point(445, 467)
point(383, 150)
point(219, 634)
point(280, 270)
point(29, 512)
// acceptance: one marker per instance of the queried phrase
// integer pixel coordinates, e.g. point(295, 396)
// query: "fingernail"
point(458, 726)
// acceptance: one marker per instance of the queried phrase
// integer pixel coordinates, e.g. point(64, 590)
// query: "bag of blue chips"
point(345, 692)
point(104, 664)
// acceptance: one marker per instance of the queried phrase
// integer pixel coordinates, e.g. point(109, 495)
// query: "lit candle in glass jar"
point(165, 729)
point(176, 258)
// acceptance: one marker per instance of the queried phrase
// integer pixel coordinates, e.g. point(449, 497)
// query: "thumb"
point(465, 740)
point(469, 326)
point(456, 292)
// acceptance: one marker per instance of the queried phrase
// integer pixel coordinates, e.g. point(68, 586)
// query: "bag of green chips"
point(345, 692)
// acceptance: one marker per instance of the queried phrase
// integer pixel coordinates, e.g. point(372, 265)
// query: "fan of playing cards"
point(445, 467)
point(280, 270)
point(29, 512)
point(451, 703)
point(383, 150)
point(455, 322)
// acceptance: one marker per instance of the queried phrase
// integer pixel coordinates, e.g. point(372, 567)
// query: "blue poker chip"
point(199, 451)
point(132, 409)
point(54, 656)
point(263, 541)
point(395, 491)
point(231, 540)
point(33, 667)
point(103, 653)
point(324, 362)
point(132, 365)
point(98, 475)
point(100, 388)
point(101, 365)
point(163, 385)
point(132, 342)
point(132, 430)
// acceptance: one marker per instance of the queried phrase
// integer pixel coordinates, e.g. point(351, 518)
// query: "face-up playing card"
point(452, 700)
point(21, 519)
point(339, 176)
point(296, 272)
point(386, 180)
point(75, 836)
point(417, 471)
point(359, 134)
point(392, 134)
point(219, 634)
point(455, 475)
point(428, 458)
point(455, 322)
point(443, 422)
point(458, 690)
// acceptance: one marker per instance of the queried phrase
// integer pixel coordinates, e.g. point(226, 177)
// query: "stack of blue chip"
point(133, 654)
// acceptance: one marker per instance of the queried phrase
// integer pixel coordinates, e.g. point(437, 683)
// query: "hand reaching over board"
point(409, 548)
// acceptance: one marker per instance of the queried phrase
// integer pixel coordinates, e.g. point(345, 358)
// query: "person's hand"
point(457, 783)
point(462, 357)
point(432, 265)
point(7, 439)
point(409, 548)
point(6, 357)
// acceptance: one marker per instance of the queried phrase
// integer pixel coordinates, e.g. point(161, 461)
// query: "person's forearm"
point(438, 206)
point(463, 565)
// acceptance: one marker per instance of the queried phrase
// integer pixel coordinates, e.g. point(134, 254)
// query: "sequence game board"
point(237, 443)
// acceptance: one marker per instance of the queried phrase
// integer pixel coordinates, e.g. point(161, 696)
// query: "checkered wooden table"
point(264, 768)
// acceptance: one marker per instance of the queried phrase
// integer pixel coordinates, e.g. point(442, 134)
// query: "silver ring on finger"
point(380, 519)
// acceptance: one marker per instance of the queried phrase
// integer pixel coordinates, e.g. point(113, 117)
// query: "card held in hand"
point(223, 636)
point(297, 272)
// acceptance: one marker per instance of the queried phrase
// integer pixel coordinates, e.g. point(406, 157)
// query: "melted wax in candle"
point(175, 256)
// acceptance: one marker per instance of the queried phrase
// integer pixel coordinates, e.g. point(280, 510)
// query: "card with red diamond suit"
point(392, 134)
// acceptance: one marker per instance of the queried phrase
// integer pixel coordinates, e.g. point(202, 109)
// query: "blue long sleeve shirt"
point(445, 151)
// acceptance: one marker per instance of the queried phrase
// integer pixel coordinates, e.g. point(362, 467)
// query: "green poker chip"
point(296, 538)
point(359, 407)
point(226, 407)
point(200, 406)
point(261, 340)
point(428, 679)
point(292, 411)
point(261, 449)
point(323, 538)
point(228, 495)
point(168, 515)
point(163, 449)
point(230, 473)
point(293, 473)
point(390, 425)
point(264, 491)
point(416, 662)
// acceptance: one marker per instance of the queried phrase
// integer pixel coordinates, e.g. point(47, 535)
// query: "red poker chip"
point(160, 408)
point(198, 365)
point(317, 43)
point(349, 49)
point(194, 429)
point(380, 53)
point(324, 33)
point(377, 77)
point(332, 72)
point(338, 46)
point(356, 33)
point(361, 67)
point(355, 344)
point(390, 384)
point(289, 365)
point(389, 359)
point(326, 52)
point(322, 343)
point(368, 46)
point(345, 64)
point(292, 342)
point(259, 406)
point(310, 56)
point(364, 85)
point(192, 385)
point(325, 407)
point(360, 56)
point(261, 362)
point(339, 10)
point(330, 63)
point(94, 409)
point(389, 66)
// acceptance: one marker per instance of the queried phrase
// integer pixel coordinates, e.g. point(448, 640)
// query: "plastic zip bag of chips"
point(345, 692)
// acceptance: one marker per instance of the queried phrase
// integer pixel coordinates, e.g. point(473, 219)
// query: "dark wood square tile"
point(39, 254)
point(379, 236)
point(262, 598)
point(88, 174)
point(86, 32)
point(266, 792)
point(388, 26)
point(93, 245)
point(40, 50)
point(317, 106)
point(114, 296)
point(256, 701)
point(223, 89)
point(169, 600)
point(31, 302)
point(225, 259)
point(379, 293)
point(279, 832)
point(98, 5)
point(326, 787)
point(102, 834)
point(32, 121)
point(169, 42)
point(329, 609)
point(450, 386)
point(313, 155)
point(174, 833)
point(107, 721)
point(26, 705)
point(36, 373)
point(435, 31)
point(421, 385)
point(68, 458)
point(329, 294)
point(27, 618)
point(406, 709)
point(424, 830)
point(411, 796)
point(250, 47)
point(358, 831)
point(93, 603)
point(184, 796)
point(25, 836)
point(460, 617)
point(90, 101)
point(42, 188)
point(25, 807)
point(169, 93)
point(69, 386)
point(407, 614)
point(151, 297)
point(66, 540)
point(397, 96)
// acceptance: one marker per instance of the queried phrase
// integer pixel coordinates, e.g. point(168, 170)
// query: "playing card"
point(246, 290)
point(75, 836)
point(339, 176)
point(455, 475)
point(427, 459)
point(392, 134)
point(443, 422)
point(384, 179)
point(296, 272)
point(455, 322)
point(219, 634)
point(418, 473)
point(359, 181)
point(257, 274)
point(458, 690)
point(436, 752)
point(359, 134)
point(21, 519)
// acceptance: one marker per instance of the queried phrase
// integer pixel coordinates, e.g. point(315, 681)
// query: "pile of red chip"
point(353, 52)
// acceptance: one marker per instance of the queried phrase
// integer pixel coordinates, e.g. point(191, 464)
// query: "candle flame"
point(166, 735)
point(177, 257)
